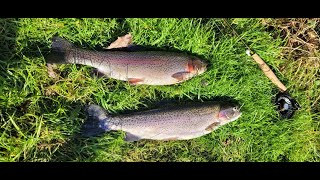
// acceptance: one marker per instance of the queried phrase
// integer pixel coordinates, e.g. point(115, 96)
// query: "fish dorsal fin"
point(131, 137)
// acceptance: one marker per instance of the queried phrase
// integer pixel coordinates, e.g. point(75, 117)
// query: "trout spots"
point(181, 76)
point(135, 81)
point(212, 126)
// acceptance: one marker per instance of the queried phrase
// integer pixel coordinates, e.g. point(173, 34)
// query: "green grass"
point(40, 116)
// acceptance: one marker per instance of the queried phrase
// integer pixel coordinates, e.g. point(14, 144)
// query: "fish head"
point(196, 66)
point(228, 113)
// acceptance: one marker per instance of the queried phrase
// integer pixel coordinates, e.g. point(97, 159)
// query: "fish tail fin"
point(96, 122)
point(59, 51)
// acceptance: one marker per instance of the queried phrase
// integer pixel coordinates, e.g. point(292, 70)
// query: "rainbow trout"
point(167, 123)
point(136, 67)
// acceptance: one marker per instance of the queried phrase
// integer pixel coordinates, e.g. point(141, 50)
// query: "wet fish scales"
point(137, 67)
point(167, 123)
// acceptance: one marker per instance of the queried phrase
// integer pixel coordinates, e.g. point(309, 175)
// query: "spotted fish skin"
point(136, 67)
point(167, 123)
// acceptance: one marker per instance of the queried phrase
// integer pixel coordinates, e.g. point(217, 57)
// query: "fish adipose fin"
point(180, 76)
point(131, 137)
point(95, 123)
point(59, 49)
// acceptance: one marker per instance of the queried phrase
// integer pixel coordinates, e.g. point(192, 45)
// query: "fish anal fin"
point(131, 137)
point(135, 81)
point(180, 76)
point(212, 126)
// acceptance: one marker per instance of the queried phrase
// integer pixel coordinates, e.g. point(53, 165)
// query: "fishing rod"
point(286, 105)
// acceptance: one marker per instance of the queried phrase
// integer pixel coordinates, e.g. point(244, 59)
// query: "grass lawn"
point(40, 116)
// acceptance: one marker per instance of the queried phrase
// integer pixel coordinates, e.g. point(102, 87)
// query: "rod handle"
point(268, 72)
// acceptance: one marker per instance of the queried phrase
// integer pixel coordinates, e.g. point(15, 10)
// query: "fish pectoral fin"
point(134, 81)
point(212, 126)
point(131, 137)
point(180, 76)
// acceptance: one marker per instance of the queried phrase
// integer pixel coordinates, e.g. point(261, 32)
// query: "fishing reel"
point(286, 105)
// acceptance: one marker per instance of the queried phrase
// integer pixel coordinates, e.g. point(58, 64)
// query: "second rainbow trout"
point(179, 122)
point(136, 67)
